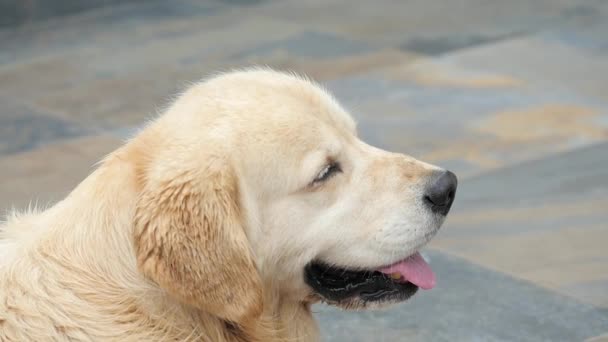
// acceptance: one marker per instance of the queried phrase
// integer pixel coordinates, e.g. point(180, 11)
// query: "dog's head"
point(257, 179)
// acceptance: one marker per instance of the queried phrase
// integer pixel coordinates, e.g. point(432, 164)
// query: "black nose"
point(441, 191)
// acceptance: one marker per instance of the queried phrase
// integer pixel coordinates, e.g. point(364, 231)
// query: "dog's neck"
point(99, 242)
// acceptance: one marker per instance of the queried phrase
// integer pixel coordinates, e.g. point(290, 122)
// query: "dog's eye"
point(327, 172)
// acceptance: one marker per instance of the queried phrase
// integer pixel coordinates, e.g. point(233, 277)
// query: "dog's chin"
point(359, 304)
point(356, 289)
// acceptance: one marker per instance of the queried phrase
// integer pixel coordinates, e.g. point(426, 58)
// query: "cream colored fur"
point(199, 227)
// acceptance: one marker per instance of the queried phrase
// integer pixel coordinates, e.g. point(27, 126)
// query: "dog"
point(248, 200)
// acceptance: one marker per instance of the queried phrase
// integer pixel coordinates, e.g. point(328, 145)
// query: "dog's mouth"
point(349, 288)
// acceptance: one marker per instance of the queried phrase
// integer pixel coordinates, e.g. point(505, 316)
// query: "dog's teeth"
point(396, 275)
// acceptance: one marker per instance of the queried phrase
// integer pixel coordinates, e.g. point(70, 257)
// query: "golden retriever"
point(225, 219)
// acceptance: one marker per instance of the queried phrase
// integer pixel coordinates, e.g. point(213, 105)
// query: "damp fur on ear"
point(189, 239)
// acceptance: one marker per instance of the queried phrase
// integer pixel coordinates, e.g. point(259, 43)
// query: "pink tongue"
point(415, 270)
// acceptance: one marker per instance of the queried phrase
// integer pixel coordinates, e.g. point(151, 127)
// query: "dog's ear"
point(189, 239)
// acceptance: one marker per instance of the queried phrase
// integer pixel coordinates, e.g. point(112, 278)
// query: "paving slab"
point(23, 128)
point(43, 176)
point(470, 303)
point(394, 23)
point(543, 221)
point(91, 28)
point(548, 60)
point(16, 13)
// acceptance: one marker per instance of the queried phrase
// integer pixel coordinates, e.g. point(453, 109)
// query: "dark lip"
point(336, 285)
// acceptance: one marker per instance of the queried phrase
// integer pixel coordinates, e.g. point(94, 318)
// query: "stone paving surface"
point(511, 95)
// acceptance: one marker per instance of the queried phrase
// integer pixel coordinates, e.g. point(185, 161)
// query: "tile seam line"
point(600, 309)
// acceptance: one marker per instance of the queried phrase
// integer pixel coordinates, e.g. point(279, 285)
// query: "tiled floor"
point(511, 95)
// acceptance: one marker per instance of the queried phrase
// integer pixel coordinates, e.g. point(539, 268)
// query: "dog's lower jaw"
point(358, 304)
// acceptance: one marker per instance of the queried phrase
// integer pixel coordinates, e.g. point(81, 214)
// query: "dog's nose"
point(441, 191)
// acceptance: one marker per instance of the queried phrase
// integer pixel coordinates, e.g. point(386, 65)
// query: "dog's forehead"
point(283, 99)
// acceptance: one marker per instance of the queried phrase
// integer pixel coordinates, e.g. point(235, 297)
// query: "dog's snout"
point(440, 192)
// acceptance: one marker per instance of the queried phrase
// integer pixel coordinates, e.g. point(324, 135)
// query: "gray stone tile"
point(590, 36)
point(310, 44)
point(23, 128)
point(121, 65)
point(46, 174)
point(14, 12)
point(599, 338)
point(470, 304)
point(395, 22)
point(568, 69)
point(516, 20)
point(570, 176)
point(132, 23)
point(542, 220)
point(329, 68)
point(591, 291)
point(442, 45)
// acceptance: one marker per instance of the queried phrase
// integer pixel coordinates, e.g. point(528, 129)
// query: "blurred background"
point(510, 95)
